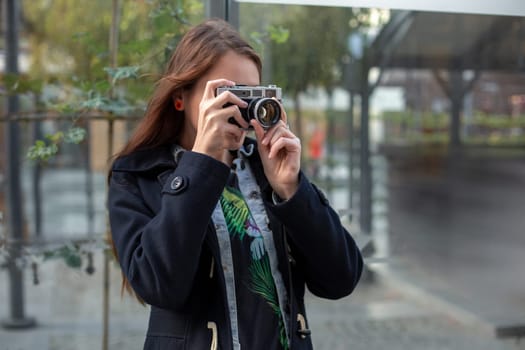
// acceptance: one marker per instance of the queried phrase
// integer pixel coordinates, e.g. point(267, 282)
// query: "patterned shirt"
point(259, 314)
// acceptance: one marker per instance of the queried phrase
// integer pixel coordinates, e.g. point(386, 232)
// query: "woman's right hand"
point(215, 133)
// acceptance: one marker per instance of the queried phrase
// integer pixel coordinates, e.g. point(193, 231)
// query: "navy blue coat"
point(160, 215)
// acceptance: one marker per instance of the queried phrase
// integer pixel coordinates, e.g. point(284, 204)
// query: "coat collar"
point(161, 157)
point(145, 160)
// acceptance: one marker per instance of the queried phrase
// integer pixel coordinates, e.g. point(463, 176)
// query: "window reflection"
point(417, 134)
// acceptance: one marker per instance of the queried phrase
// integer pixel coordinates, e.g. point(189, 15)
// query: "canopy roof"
point(453, 41)
point(500, 7)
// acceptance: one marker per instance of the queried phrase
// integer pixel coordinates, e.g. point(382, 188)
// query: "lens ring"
point(267, 111)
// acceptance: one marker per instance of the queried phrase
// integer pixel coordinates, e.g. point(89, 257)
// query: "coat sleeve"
point(159, 252)
point(325, 252)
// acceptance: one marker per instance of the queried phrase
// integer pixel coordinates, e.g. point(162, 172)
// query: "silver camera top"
point(249, 91)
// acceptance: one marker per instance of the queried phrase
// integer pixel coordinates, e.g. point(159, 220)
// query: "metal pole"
point(456, 88)
point(352, 82)
point(330, 144)
point(37, 175)
point(215, 9)
point(37, 191)
point(17, 318)
point(225, 9)
point(365, 197)
point(113, 49)
point(90, 204)
point(233, 13)
point(351, 156)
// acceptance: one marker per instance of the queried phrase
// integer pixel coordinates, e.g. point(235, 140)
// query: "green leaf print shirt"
point(259, 315)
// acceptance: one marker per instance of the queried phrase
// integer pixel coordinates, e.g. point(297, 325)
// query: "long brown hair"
point(199, 49)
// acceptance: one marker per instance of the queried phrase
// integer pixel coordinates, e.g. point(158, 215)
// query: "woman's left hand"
point(280, 152)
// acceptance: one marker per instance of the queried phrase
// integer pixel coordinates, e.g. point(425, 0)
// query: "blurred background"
point(412, 120)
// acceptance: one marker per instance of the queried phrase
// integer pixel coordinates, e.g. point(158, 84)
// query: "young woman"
point(218, 232)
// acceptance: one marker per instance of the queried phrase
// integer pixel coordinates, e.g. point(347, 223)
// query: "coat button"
point(178, 183)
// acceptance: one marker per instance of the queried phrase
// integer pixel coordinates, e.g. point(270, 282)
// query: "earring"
point(179, 106)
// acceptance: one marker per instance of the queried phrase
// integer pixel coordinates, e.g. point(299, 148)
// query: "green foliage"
point(106, 104)
point(424, 119)
point(14, 84)
point(441, 120)
point(69, 40)
point(313, 53)
point(70, 254)
point(498, 121)
point(69, 46)
point(275, 33)
point(43, 150)
point(278, 34)
point(432, 128)
point(121, 73)
point(75, 135)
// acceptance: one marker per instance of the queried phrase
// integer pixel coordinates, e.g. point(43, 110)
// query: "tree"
point(313, 53)
point(68, 43)
point(68, 40)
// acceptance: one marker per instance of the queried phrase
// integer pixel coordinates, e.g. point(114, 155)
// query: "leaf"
point(119, 107)
point(121, 73)
point(156, 12)
point(115, 106)
point(41, 151)
point(94, 87)
point(75, 135)
point(56, 137)
point(73, 260)
point(80, 35)
point(17, 84)
point(257, 37)
point(279, 34)
point(71, 256)
point(138, 46)
point(97, 102)
point(172, 43)
point(63, 108)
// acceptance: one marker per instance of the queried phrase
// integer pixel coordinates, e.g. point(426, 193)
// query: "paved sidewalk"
point(391, 315)
point(378, 316)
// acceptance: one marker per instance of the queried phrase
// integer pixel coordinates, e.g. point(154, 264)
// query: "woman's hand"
point(280, 152)
point(215, 133)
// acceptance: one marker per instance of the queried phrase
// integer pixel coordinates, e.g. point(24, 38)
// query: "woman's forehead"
point(235, 67)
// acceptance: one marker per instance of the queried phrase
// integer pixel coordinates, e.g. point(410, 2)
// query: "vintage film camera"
point(261, 105)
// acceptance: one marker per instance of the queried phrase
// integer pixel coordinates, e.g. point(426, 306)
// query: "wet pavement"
point(457, 230)
point(379, 315)
point(446, 272)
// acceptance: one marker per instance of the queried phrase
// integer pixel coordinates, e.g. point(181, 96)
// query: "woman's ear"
point(178, 103)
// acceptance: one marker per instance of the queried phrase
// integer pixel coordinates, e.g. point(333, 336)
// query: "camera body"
point(262, 105)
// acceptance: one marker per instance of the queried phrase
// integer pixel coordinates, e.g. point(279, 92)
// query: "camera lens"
point(267, 112)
